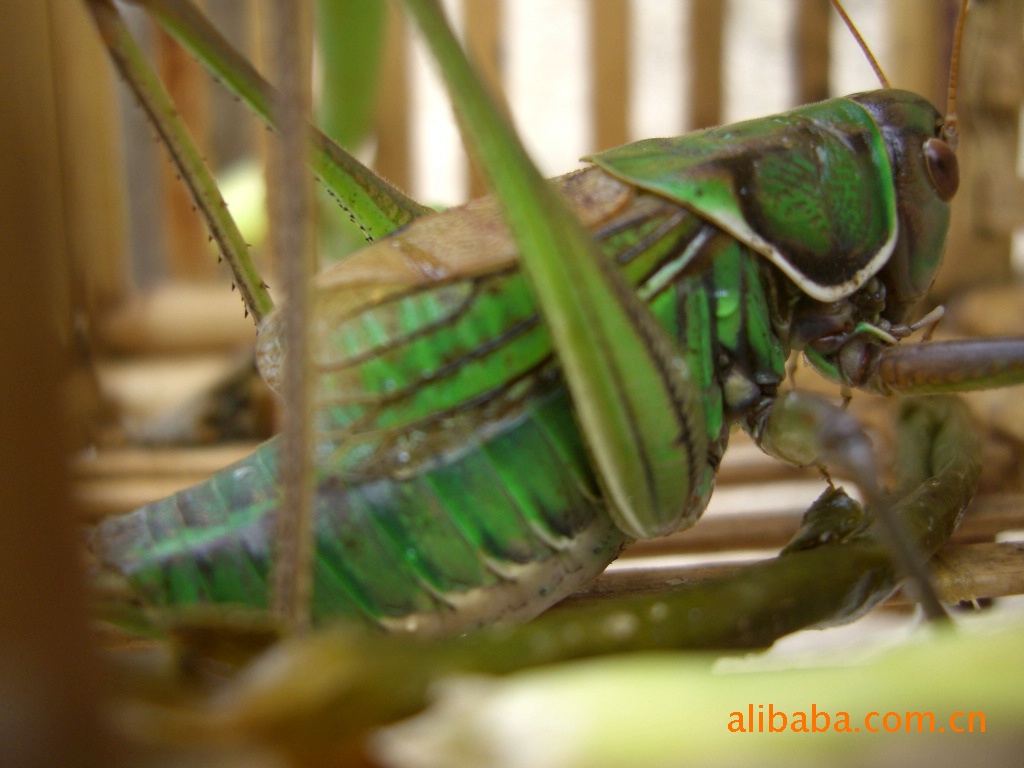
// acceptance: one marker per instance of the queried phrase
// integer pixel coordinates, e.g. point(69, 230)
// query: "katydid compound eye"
point(942, 168)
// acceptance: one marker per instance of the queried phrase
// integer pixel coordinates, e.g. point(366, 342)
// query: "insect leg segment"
point(805, 429)
point(939, 366)
point(869, 358)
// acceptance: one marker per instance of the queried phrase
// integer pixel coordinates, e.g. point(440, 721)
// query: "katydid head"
point(921, 145)
point(925, 176)
point(922, 149)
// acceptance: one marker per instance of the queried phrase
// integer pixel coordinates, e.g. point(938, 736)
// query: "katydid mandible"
point(490, 436)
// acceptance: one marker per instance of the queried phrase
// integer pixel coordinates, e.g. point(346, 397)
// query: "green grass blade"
point(350, 46)
point(350, 41)
point(628, 386)
point(377, 207)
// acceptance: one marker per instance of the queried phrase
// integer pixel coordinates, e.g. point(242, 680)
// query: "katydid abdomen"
point(453, 486)
point(470, 540)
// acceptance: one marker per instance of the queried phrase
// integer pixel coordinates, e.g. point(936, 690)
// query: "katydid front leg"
point(942, 366)
point(804, 429)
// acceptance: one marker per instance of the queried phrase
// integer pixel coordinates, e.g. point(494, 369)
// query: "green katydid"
point(479, 459)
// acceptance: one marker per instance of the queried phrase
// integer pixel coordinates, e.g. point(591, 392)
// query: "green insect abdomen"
point(502, 531)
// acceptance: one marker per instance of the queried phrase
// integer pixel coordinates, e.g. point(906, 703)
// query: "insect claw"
point(929, 322)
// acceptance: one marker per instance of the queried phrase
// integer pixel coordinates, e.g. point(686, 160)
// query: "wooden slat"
point(919, 45)
point(179, 317)
point(392, 126)
point(482, 24)
point(93, 194)
point(609, 60)
point(979, 571)
point(812, 50)
point(963, 572)
point(991, 91)
point(707, 22)
point(117, 480)
point(188, 252)
point(50, 678)
point(92, 278)
point(990, 203)
point(162, 463)
point(988, 516)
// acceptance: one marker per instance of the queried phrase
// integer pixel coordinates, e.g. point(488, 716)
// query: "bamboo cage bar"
point(188, 254)
point(49, 671)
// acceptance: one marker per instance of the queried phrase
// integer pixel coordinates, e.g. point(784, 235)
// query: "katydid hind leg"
point(633, 394)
